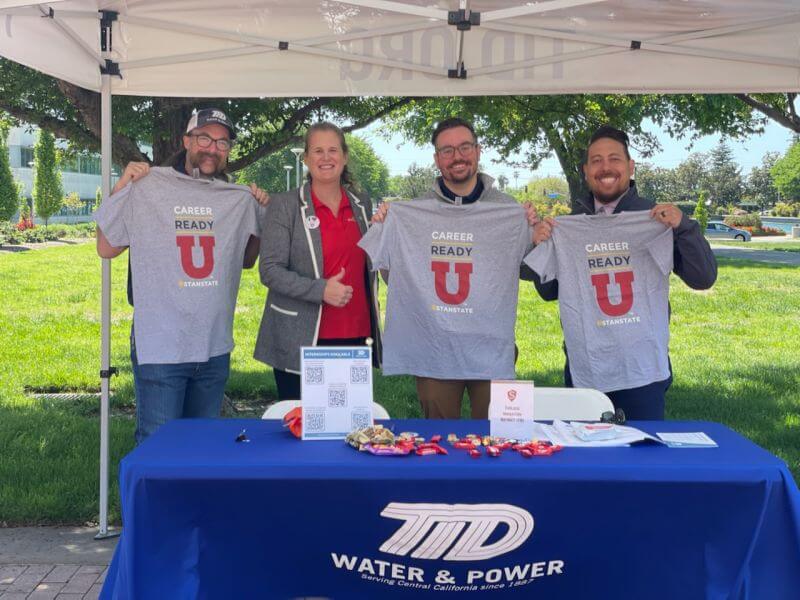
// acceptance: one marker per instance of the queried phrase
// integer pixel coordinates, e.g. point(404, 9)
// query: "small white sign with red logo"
point(511, 409)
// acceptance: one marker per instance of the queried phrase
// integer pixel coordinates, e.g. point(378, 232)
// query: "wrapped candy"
point(429, 449)
point(381, 450)
point(493, 451)
point(377, 435)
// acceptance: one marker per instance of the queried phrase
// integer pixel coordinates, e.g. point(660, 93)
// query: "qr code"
point(314, 421)
point(359, 374)
point(337, 397)
point(315, 375)
point(359, 420)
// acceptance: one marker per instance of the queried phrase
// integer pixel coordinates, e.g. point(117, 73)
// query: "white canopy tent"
point(252, 48)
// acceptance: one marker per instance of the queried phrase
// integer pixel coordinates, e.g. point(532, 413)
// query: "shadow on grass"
point(122, 399)
point(252, 384)
point(13, 249)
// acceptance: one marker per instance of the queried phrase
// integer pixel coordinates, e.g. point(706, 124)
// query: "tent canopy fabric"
point(252, 48)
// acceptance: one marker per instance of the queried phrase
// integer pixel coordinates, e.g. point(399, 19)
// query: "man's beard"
point(605, 199)
point(197, 158)
point(468, 174)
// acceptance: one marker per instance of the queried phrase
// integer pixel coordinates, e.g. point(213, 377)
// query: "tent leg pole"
point(105, 310)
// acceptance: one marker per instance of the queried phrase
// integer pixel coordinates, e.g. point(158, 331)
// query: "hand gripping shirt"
point(451, 303)
point(613, 296)
point(187, 239)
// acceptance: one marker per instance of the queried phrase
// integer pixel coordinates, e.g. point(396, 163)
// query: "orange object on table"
point(294, 421)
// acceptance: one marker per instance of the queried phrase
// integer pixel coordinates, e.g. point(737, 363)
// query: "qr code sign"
point(360, 420)
point(337, 397)
point(359, 374)
point(315, 375)
point(314, 421)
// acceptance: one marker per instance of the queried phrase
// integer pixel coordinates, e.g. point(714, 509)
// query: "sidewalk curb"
point(55, 545)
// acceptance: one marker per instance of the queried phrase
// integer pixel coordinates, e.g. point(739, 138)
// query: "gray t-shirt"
point(454, 277)
point(187, 239)
point(613, 294)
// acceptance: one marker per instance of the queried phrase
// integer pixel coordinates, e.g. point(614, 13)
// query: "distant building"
point(79, 174)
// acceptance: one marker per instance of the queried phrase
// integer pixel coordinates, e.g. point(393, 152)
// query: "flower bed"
point(763, 231)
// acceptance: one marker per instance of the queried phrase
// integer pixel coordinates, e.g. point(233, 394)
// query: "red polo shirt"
point(340, 236)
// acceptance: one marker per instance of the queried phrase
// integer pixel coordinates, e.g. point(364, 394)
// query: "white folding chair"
point(280, 408)
point(569, 404)
point(379, 412)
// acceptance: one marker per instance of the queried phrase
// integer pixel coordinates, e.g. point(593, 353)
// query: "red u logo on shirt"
point(624, 279)
point(185, 244)
point(440, 270)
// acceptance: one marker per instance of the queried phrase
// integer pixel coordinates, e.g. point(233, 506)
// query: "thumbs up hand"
point(336, 293)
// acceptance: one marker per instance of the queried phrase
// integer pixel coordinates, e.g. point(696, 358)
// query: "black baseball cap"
point(210, 116)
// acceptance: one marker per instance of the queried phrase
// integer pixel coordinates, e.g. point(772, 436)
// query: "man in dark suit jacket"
point(608, 170)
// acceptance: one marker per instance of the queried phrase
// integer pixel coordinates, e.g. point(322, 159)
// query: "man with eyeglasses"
point(620, 347)
point(451, 307)
point(190, 233)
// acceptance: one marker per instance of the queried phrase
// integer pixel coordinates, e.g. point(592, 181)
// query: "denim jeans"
point(177, 391)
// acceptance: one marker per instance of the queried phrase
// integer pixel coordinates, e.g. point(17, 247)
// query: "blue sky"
point(399, 153)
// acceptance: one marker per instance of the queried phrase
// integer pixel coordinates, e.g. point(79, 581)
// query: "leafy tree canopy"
point(760, 187)
point(786, 173)
point(9, 198)
point(414, 183)
point(535, 126)
point(370, 173)
point(267, 124)
point(48, 194)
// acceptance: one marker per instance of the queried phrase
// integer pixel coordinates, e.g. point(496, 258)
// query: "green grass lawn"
point(735, 353)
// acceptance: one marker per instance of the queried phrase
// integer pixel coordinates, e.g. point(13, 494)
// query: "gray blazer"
point(290, 265)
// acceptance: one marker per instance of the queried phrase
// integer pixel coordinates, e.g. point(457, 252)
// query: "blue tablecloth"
point(206, 517)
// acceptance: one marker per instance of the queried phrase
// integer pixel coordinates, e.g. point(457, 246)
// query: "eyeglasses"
point(464, 149)
point(205, 141)
point(617, 417)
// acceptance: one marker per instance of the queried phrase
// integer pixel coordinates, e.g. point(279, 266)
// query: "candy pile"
point(382, 442)
point(495, 446)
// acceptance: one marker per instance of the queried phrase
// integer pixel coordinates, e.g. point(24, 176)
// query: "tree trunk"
point(123, 149)
point(788, 117)
point(169, 123)
point(572, 168)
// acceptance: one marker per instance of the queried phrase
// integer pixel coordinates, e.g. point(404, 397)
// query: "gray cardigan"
point(290, 265)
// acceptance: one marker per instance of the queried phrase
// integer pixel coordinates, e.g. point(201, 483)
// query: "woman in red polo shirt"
point(321, 291)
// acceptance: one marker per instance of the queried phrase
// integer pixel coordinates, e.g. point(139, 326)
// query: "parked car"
point(718, 230)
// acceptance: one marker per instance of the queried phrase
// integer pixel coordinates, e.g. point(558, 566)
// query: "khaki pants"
point(441, 398)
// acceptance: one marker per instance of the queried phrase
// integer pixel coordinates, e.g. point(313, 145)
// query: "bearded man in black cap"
point(190, 233)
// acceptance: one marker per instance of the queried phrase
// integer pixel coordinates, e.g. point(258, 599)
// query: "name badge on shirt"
point(312, 221)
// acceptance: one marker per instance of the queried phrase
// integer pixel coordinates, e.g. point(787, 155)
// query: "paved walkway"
point(53, 563)
point(51, 582)
point(767, 256)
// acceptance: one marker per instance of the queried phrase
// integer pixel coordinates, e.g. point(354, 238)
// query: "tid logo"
point(431, 529)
